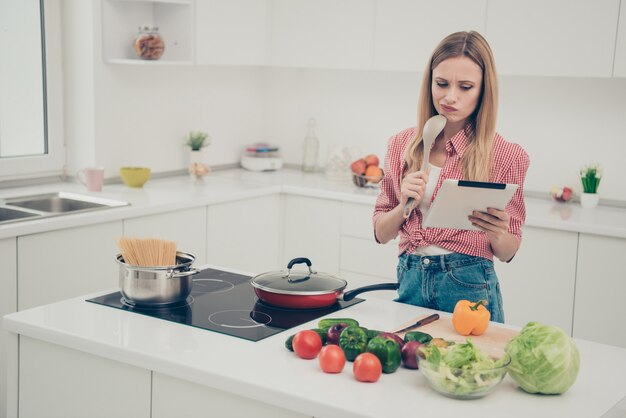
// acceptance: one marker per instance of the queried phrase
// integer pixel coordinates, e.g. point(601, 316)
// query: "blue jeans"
point(440, 281)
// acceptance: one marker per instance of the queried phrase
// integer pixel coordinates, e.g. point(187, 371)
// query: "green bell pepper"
point(418, 336)
point(387, 351)
point(353, 341)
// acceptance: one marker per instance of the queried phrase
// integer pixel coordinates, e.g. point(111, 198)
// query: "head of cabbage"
point(543, 359)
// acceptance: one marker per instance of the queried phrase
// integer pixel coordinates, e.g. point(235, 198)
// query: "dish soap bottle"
point(311, 148)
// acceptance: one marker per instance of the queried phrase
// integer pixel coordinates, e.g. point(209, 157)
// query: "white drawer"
point(356, 220)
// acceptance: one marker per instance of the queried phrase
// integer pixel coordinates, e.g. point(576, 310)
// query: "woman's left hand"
point(494, 222)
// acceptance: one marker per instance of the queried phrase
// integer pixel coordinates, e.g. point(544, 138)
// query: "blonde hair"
point(476, 159)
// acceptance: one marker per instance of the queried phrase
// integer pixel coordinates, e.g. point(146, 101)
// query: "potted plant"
point(197, 140)
point(590, 176)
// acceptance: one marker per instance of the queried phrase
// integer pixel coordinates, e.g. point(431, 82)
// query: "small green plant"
point(197, 140)
point(590, 175)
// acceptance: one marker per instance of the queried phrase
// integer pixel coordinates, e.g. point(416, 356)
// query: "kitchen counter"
point(175, 193)
point(265, 371)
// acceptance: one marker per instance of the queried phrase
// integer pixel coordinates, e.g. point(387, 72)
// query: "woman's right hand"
point(413, 185)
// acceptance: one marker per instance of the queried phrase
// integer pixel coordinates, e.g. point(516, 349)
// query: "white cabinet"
point(245, 234)
point(538, 284)
point(407, 31)
point(231, 32)
point(185, 227)
point(312, 228)
point(569, 38)
point(600, 288)
point(363, 260)
point(619, 66)
point(322, 33)
point(121, 19)
point(71, 262)
point(8, 304)
point(60, 382)
point(172, 397)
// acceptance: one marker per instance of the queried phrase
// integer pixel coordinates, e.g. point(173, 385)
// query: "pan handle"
point(381, 286)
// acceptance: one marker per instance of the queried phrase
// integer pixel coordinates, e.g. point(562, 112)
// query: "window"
point(31, 104)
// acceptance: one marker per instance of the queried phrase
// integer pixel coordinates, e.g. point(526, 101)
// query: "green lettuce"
point(543, 359)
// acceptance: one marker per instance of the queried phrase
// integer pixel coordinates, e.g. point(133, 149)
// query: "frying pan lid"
point(298, 282)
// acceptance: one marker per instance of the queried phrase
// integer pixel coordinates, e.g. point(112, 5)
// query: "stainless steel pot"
point(157, 286)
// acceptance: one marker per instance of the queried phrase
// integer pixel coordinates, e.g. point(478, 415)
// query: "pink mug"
point(92, 178)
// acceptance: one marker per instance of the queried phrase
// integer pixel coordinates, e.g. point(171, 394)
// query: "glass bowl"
point(463, 383)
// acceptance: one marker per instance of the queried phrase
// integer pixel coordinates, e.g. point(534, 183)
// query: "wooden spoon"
point(432, 129)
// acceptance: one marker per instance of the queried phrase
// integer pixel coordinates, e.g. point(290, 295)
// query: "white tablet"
point(457, 199)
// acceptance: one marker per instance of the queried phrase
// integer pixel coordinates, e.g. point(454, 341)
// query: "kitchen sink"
point(12, 215)
point(24, 208)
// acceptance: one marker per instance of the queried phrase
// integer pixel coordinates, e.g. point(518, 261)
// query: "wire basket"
point(361, 180)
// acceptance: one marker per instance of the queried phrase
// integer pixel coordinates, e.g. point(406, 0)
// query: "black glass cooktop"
point(225, 302)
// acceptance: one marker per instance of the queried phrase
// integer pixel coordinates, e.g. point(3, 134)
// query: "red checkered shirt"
point(510, 163)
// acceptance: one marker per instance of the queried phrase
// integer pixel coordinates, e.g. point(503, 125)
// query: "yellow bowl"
point(134, 176)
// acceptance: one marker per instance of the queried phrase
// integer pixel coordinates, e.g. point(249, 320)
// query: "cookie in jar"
point(149, 44)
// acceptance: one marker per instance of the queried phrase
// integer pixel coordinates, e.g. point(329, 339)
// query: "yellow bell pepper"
point(470, 317)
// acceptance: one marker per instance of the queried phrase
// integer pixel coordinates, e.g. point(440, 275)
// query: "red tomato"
point(332, 359)
point(367, 368)
point(307, 344)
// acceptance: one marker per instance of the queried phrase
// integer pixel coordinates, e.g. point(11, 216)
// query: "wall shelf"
point(122, 18)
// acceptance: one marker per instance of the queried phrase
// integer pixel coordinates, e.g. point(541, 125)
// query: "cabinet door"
point(363, 260)
point(619, 66)
point(186, 227)
point(312, 228)
point(571, 38)
point(322, 33)
point(600, 289)
point(538, 284)
point(8, 345)
point(57, 265)
point(245, 234)
point(407, 31)
point(197, 401)
point(60, 382)
point(231, 32)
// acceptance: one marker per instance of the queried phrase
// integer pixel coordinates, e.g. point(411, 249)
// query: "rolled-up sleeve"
point(516, 207)
point(389, 196)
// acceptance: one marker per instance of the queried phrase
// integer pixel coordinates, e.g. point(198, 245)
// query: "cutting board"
point(491, 342)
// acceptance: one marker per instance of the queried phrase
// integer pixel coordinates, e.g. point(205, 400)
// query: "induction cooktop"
point(225, 302)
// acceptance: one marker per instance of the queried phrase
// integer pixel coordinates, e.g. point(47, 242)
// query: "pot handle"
point(185, 273)
point(381, 286)
point(299, 260)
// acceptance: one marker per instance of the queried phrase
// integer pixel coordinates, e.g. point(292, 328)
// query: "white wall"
point(563, 123)
point(143, 114)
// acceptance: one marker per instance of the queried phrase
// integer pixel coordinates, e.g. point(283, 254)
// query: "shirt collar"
point(458, 142)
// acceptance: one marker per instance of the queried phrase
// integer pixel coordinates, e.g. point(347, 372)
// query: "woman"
point(437, 267)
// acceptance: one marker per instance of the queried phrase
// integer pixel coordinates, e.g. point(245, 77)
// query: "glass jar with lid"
point(149, 44)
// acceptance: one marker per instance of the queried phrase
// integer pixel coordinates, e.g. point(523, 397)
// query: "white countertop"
point(169, 194)
point(267, 372)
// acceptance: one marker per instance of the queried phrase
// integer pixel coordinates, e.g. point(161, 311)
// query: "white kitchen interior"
point(250, 71)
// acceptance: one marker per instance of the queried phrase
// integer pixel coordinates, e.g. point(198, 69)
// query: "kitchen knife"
point(421, 322)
